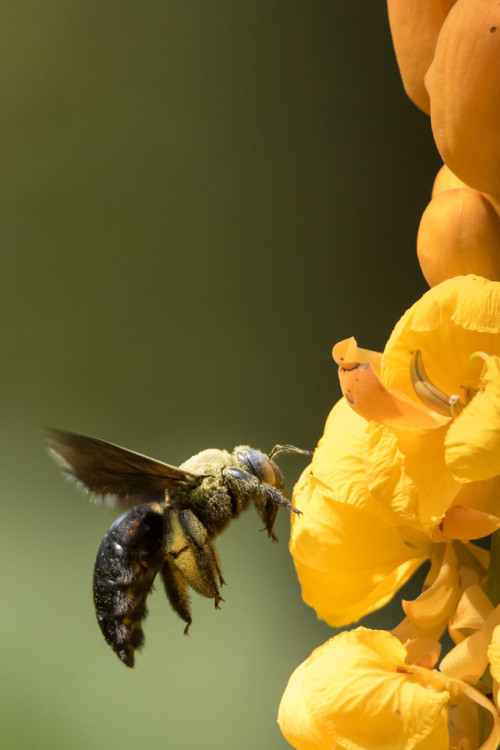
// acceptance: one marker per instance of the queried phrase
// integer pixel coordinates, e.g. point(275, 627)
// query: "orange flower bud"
point(415, 25)
point(459, 234)
point(464, 88)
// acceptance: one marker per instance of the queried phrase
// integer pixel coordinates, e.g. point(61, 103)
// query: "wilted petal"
point(348, 354)
point(356, 691)
point(368, 396)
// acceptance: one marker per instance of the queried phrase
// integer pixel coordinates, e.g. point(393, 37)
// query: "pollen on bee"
point(131, 594)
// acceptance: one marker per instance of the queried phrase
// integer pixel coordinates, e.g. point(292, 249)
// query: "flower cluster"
point(408, 468)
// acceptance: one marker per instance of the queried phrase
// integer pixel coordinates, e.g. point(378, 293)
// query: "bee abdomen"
point(128, 559)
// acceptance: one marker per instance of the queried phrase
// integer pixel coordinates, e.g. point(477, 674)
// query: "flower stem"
point(492, 584)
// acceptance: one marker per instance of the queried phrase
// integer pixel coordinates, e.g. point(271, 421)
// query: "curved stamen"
point(428, 393)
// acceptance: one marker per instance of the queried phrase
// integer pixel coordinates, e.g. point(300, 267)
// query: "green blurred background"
point(198, 199)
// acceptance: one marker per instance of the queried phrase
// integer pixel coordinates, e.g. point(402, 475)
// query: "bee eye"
point(258, 463)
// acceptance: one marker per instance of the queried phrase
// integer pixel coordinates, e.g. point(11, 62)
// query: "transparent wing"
point(106, 469)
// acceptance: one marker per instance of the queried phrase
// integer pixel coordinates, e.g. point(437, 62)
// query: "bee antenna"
point(288, 449)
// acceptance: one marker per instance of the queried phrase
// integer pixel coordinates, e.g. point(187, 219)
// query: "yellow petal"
point(423, 651)
point(473, 440)
point(365, 462)
point(338, 459)
point(472, 611)
point(450, 322)
point(386, 474)
point(482, 495)
point(407, 473)
point(466, 740)
point(468, 523)
point(357, 692)
point(407, 633)
point(437, 602)
point(349, 560)
point(468, 660)
point(480, 557)
point(463, 725)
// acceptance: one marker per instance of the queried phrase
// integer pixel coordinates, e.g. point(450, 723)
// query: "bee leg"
point(192, 554)
point(266, 497)
point(176, 590)
point(268, 512)
point(268, 500)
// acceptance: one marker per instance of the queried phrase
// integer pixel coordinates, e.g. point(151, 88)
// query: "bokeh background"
point(198, 198)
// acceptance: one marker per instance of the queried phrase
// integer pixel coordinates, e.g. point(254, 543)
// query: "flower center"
point(432, 396)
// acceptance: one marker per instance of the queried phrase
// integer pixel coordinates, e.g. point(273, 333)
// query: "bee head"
point(260, 465)
point(268, 493)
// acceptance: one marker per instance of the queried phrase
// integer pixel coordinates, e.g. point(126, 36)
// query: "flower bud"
point(446, 180)
point(415, 25)
point(464, 88)
point(459, 234)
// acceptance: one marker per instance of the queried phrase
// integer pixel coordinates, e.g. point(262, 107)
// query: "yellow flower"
point(395, 481)
point(445, 439)
point(356, 691)
point(360, 691)
point(349, 554)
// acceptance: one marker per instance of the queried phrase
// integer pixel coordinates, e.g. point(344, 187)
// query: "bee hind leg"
point(177, 593)
point(191, 554)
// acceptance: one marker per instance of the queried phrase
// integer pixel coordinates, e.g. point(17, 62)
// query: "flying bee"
point(172, 516)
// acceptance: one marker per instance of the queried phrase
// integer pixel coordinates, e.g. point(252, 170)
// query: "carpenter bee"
point(172, 515)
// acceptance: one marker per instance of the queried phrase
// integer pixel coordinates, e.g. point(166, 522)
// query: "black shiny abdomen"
point(128, 559)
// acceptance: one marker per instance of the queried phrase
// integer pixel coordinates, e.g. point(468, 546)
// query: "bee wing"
point(108, 470)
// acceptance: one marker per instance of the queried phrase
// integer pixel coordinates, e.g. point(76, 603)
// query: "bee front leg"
point(191, 553)
point(268, 500)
